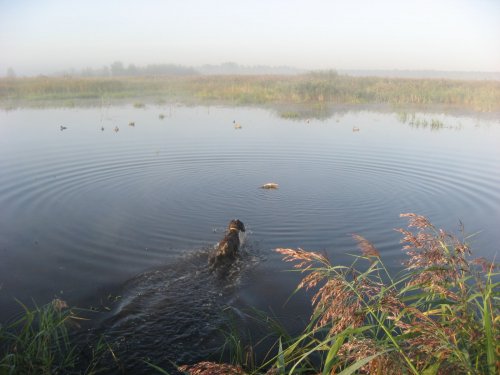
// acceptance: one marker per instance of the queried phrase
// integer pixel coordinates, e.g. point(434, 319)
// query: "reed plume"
point(211, 368)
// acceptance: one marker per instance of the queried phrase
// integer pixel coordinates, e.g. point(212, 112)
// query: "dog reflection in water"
point(226, 250)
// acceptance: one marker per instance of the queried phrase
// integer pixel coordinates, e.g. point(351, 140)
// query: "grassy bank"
point(314, 89)
point(39, 342)
point(440, 315)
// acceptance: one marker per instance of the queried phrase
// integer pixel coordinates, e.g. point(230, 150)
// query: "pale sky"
point(45, 36)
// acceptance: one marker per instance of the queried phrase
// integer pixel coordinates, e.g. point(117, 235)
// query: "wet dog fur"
point(227, 249)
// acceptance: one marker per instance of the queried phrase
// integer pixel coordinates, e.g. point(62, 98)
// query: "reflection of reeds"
point(439, 316)
point(418, 122)
point(290, 115)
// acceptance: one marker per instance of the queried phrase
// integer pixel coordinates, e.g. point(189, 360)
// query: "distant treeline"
point(315, 89)
point(118, 69)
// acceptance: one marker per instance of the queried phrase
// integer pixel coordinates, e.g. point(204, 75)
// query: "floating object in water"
point(59, 304)
point(131, 123)
point(63, 128)
point(270, 185)
point(355, 129)
point(236, 125)
point(116, 129)
point(161, 116)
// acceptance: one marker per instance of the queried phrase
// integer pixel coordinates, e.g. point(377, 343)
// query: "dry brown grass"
point(211, 368)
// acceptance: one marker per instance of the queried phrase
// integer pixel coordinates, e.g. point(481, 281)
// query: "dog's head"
point(236, 225)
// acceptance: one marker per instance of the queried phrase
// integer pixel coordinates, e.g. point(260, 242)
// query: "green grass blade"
point(432, 369)
point(357, 365)
point(488, 330)
point(281, 358)
point(157, 368)
point(332, 353)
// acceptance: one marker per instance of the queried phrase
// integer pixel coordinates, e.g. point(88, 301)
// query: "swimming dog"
point(226, 250)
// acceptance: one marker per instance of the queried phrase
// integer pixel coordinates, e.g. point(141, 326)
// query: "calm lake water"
point(85, 212)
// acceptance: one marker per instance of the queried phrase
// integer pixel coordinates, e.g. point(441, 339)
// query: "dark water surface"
point(83, 212)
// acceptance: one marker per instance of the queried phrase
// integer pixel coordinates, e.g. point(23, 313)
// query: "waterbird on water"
point(63, 128)
point(102, 128)
point(355, 129)
point(236, 125)
point(116, 129)
point(131, 123)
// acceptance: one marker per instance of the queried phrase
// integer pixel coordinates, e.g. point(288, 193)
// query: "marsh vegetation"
point(314, 90)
